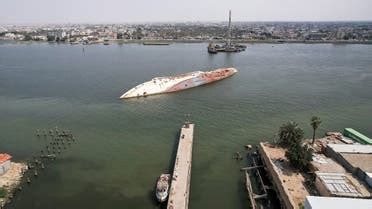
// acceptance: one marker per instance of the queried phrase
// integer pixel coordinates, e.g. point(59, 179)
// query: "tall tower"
point(228, 39)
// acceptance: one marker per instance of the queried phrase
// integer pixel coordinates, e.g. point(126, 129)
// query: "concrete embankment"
point(288, 183)
point(180, 186)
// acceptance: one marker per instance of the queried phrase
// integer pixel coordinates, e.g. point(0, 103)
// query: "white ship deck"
point(160, 85)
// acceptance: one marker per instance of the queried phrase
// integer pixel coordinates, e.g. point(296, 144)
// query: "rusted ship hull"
point(161, 85)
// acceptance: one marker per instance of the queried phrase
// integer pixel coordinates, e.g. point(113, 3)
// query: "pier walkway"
point(180, 186)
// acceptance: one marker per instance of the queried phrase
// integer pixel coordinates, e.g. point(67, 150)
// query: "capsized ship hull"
point(160, 85)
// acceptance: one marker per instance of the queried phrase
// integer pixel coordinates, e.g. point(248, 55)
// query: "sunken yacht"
point(160, 85)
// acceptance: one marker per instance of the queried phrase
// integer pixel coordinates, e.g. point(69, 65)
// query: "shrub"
point(299, 156)
point(2, 192)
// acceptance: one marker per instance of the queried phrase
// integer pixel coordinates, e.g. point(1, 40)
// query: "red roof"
point(4, 157)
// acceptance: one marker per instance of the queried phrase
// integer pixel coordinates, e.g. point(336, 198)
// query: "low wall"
point(277, 180)
point(329, 152)
point(321, 188)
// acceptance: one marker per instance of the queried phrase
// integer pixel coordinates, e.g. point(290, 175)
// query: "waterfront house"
point(356, 158)
point(314, 202)
point(4, 163)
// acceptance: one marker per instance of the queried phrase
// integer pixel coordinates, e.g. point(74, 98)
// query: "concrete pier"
point(180, 186)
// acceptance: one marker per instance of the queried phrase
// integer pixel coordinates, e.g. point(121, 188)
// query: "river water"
point(122, 146)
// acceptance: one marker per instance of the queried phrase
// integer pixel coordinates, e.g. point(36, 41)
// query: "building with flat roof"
point(4, 163)
point(352, 148)
point(325, 164)
point(339, 185)
point(314, 202)
point(356, 158)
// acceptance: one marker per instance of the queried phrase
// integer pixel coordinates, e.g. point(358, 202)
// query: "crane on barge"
point(228, 46)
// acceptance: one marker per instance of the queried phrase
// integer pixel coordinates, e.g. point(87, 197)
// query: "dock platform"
point(180, 186)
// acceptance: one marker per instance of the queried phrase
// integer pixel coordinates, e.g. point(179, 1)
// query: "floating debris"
point(30, 166)
point(55, 141)
point(238, 156)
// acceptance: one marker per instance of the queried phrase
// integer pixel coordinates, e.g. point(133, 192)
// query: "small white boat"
point(162, 187)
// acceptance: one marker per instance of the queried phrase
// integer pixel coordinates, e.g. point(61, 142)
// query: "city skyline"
point(114, 11)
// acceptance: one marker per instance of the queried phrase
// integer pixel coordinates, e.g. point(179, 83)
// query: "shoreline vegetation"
point(247, 41)
point(167, 41)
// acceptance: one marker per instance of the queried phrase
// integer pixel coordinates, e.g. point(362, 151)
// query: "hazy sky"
point(105, 11)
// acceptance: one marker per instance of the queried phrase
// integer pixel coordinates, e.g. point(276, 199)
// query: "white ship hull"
point(168, 84)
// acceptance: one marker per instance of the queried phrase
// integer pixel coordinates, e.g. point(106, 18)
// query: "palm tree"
point(315, 123)
point(290, 133)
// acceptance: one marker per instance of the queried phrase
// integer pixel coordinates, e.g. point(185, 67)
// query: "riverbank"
point(10, 181)
point(167, 42)
point(326, 175)
point(248, 41)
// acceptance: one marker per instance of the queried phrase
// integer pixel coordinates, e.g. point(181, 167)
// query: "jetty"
point(180, 186)
point(257, 195)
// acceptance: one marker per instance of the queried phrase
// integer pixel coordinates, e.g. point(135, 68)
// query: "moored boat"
point(162, 187)
point(212, 49)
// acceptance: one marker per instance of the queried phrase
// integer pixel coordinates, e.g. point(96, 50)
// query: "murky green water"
point(124, 145)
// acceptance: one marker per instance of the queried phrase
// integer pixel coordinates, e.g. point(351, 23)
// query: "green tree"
point(299, 156)
point(290, 133)
point(27, 38)
point(315, 123)
point(2, 192)
point(51, 38)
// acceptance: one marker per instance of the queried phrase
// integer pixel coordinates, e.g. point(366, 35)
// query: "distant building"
point(325, 164)
point(316, 36)
point(313, 202)
point(12, 36)
point(39, 38)
point(2, 29)
point(4, 163)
